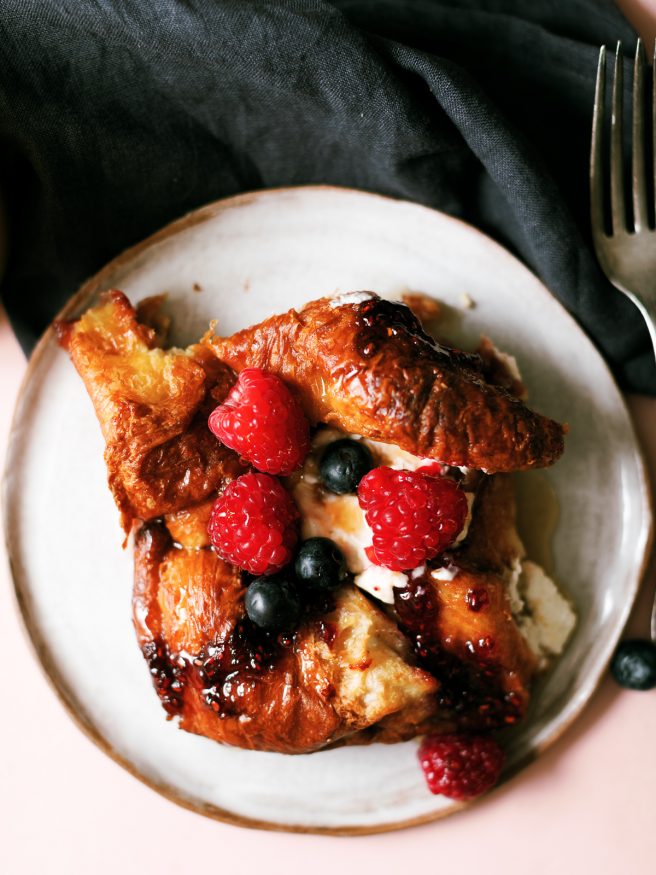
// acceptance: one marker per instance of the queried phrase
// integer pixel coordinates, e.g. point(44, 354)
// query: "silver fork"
point(627, 254)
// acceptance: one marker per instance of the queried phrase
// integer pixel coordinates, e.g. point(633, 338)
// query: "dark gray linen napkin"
point(116, 117)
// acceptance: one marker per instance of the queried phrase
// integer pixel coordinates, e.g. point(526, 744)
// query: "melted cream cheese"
point(350, 298)
point(545, 618)
point(380, 582)
point(465, 529)
point(447, 572)
point(507, 360)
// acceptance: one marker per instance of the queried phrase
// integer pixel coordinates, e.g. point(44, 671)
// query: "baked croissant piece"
point(366, 365)
point(345, 669)
point(152, 405)
point(446, 654)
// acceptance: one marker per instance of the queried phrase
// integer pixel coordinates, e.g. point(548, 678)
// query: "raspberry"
point(253, 524)
point(262, 421)
point(460, 766)
point(435, 469)
point(414, 516)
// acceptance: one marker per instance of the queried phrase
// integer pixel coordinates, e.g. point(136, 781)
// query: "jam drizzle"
point(477, 599)
point(168, 677)
point(228, 671)
point(326, 631)
point(470, 683)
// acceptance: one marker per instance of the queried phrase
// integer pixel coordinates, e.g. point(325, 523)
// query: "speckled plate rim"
point(43, 653)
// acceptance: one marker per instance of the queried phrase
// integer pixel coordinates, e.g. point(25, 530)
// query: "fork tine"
point(596, 173)
point(617, 205)
point(640, 219)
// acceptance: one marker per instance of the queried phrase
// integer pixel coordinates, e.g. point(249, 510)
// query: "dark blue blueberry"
point(272, 603)
point(320, 564)
point(634, 665)
point(343, 464)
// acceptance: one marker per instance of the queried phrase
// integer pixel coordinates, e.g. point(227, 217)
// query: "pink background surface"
point(587, 805)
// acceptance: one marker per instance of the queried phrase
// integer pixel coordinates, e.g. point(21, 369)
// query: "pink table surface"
point(587, 805)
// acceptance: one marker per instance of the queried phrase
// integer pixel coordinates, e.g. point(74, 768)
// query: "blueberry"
point(634, 665)
point(272, 603)
point(320, 564)
point(343, 464)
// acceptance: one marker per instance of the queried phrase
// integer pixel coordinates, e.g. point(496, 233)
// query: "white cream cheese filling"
point(545, 618)
point(350, 298)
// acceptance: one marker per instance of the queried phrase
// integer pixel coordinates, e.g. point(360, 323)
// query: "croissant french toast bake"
point(325, 546)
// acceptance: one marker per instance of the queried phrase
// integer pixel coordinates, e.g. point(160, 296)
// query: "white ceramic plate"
point(252, 256)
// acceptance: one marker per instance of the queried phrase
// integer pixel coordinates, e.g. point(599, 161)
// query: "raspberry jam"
point(229, 670)
point(477, 599)
point(227, 673)
point(327, 632)
point(470, 683)
point(168, 677)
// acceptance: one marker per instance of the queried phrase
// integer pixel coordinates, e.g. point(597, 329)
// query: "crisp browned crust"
point(152, 406)
point(345, 669)
point(370, 369)
point(348, 675)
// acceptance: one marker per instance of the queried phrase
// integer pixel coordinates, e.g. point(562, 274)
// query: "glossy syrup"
point(470, 682)
point(168, 676)
point(379, 320)
point(477, 599)
point(326, 631)
point(229, 670)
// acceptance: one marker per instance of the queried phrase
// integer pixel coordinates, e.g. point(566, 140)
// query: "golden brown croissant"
point(347, 674)
point(368, 367)
point(446, 654)
point(152, 406)
point(342, 671)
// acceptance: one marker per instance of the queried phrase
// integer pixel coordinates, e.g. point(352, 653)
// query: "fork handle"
point(648, 311)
